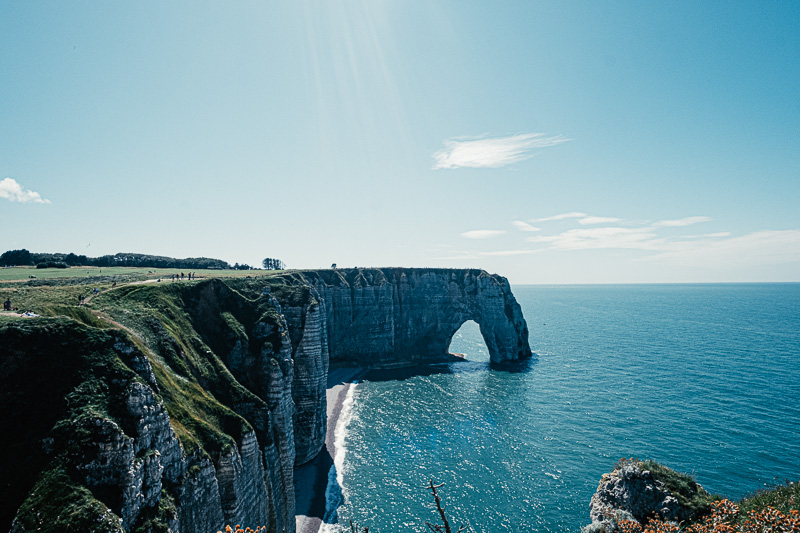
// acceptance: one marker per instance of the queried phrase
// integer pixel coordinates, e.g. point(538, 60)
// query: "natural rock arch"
point(388, 317)
point(466, 346)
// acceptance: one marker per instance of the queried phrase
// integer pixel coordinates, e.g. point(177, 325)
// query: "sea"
point(704, 378)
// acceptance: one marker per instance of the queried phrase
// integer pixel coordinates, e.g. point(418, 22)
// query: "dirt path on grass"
point(119, 286)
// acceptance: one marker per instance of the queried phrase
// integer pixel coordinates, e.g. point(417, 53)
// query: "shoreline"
point(311, 479)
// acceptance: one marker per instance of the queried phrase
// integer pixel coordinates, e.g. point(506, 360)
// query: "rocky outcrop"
point(132, 462)
point(238, 369)
point(635, 493)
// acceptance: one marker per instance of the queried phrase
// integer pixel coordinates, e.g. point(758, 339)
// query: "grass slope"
point(59, 373)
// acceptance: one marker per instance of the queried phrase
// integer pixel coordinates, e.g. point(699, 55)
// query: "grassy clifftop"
point(64, 370)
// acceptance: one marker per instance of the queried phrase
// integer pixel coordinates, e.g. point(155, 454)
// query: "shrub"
point(52, 264)
point(725, 517)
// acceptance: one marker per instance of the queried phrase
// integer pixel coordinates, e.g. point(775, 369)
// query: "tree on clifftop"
point(273, 264)
point(16, 258)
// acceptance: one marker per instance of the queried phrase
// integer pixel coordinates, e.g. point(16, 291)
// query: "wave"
point(334, 491)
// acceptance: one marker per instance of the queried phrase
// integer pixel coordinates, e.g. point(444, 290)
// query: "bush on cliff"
point(725, 517)
point(648, 497)
point(52, 264)
point(639, 491)
point(690, 495)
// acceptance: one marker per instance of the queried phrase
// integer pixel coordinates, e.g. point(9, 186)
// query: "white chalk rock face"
point(273, 345)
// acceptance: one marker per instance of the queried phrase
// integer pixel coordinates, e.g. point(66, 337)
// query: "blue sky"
point(551, 142)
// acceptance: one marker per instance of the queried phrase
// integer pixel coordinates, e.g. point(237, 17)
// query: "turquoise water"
point(703, 378)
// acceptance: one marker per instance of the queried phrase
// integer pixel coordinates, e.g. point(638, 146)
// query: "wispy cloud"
point(458, 255)
point(482, 233)
point(600, 238)
point(562, 216)
point(598, 220)
point(755, 248)
point(524, 226)
point(525, 251)
point(493, 152)
point(664, 242)
point(686, 221)
point(11, 190)
point(708, 235)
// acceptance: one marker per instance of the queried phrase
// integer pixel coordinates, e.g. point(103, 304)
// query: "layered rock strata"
point(386, 317)
point(220, 391)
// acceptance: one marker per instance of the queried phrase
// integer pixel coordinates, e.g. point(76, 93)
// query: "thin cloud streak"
point(482, 233)
point(492, 153)
point(601, 238)
point(598, 220)
point(686, 221)
point(708, 235)
point(766, 247)
point(562, 216)
point(526, 251)
point(713, 250)
point(11, 190)
point(524, 226)
point(663, 242)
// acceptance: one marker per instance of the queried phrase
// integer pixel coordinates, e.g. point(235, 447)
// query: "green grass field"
point(56, 291)
point(25, 273)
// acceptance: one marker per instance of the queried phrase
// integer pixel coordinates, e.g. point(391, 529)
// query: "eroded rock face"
point(278, 352)
point(311, 359)
point(630, 493)
point(129, 461)
point(242, 483)
point(386, 317)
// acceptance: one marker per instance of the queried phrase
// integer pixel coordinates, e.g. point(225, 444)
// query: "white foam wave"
point(339, 434)
point(334, 492)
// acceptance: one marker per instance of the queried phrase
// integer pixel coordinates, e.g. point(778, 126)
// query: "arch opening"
point(467, 342)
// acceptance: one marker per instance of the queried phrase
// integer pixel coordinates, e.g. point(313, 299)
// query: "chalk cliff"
point(385, 317)
point(192, 411)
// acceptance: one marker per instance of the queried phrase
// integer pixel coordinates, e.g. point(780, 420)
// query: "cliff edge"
point(185, 406)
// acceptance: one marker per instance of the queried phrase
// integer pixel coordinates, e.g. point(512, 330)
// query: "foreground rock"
point(643, 490)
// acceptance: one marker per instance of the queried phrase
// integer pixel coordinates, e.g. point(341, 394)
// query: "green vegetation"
point(63, 379)
point(776, 509)
point(158, 519)
point(24, 257)
point(725, 517)
point(58, 378)
point(689, 493)
point(62, 374)
point(270, 263)
point(24, 273)
point(785, 498)
point(58, 503)
point(195, 384)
